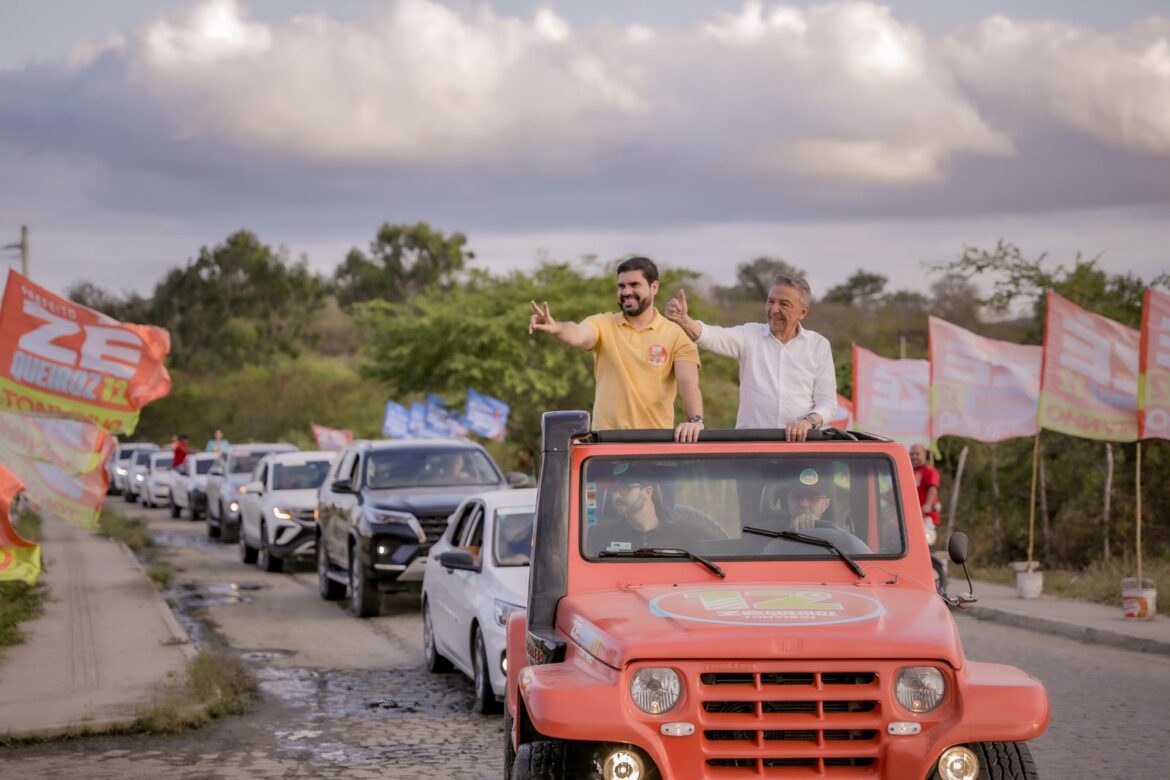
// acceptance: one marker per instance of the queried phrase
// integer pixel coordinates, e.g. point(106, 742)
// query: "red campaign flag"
point(1089, 382)
point(891, 397)
point(331, 438)
point(982, 388)
point(1154, 384)
point(75, 446)
point(19, 559)
point(76, 499)
point(843, 420)
point(63, 359)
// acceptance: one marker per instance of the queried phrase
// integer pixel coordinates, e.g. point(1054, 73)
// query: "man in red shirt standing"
point(182, 450)
point(926, 476)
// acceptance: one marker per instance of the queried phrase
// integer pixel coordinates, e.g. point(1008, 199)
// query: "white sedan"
point(476, 576)
point(278, 508)
point(154, 479)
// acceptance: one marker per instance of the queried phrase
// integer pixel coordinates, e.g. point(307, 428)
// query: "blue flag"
point(440, 421)
point(486, 416)
point(396, 422)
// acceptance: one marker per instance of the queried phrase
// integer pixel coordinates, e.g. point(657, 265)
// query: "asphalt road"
point(349, 698)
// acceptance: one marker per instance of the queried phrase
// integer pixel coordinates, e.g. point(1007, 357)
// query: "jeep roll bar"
point(666, 435)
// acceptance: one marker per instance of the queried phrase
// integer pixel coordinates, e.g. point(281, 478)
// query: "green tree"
point(860, 289)
point(403, 260)
point(753, 280)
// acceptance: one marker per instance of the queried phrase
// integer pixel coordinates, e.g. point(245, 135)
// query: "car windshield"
point(162, 463)
point(513, 543)
point(301, 476)
point(429, 468)
point(142, 457)
point(706, 505)
point(244, 462)
point(203, 465)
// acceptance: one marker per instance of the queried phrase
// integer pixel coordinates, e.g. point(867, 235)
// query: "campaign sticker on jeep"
point(771, 607)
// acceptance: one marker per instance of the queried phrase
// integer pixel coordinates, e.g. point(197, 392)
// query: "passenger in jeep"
point(639, 516)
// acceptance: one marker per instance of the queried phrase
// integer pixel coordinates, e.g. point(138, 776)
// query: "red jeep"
point(746, 607)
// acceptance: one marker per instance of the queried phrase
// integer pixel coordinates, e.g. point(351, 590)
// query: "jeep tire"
point(364, 600)
point(328, 588)
point(1001, 761)
point(544, 760)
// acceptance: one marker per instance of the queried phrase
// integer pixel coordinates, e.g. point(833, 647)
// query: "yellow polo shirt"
point(634, 370)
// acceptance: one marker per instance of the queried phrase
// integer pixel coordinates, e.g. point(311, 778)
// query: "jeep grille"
point(433, 526)
point(789, 720)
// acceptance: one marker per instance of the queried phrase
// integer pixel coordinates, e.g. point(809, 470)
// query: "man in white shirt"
point(786, 377)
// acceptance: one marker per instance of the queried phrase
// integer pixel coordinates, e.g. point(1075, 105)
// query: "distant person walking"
point(641, 360)
point(217, 443)
point(786, 376)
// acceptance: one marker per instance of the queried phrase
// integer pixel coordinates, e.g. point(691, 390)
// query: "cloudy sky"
point(834, 135)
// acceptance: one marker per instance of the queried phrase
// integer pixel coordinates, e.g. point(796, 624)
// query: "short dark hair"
point(639, 263)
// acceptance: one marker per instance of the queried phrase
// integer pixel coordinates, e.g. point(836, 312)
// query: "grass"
point(161, 575)
point(217, 685)
point(131, 531)
point(1099, 582)
point(19, 601)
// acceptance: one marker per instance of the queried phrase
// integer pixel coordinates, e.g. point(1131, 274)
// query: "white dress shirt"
point(778, 383)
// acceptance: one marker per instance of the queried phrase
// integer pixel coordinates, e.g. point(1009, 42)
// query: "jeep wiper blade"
point(663, 552)
point(794, 536)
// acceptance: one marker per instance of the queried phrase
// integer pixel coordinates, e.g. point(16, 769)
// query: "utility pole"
point(23, 247)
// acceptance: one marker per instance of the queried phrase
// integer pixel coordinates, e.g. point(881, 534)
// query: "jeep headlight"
point(502, 610)
point(920, 688)
point(655, 689)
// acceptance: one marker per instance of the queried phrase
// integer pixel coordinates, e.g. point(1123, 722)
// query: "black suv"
point(382, 507)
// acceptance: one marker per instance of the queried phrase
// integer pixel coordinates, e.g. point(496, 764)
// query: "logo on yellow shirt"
point(656, 355)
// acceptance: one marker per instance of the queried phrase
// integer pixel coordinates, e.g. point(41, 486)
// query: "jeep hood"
point(748, 621)
point(427, 501)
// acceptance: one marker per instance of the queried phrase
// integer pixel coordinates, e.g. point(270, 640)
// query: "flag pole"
point(1032, 504)
point(1138, 481)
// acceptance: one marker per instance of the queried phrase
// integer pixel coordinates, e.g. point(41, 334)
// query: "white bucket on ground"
point(1029, 584)
point(1138, 602)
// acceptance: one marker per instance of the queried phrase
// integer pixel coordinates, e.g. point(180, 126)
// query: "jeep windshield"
point(401, 468)
point(702, 504)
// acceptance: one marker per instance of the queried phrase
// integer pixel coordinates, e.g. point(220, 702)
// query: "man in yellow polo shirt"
point(641, 360)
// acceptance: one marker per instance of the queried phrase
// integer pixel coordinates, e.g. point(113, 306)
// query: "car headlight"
point(233, 507)
point(920, 688)
point(390, 516)
point(121, 472)
point(280, 514)
point(502, 610)
point(655, 689)
point(139, 477)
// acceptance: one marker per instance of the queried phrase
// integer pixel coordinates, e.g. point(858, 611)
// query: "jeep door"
point(336, 507)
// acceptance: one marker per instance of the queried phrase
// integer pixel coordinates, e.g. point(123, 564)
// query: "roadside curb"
point(179, 635)
point(1068, 630)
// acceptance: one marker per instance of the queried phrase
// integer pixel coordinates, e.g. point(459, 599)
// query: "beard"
point(633, 306)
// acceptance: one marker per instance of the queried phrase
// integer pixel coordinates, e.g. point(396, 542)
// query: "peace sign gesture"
point(542, 320)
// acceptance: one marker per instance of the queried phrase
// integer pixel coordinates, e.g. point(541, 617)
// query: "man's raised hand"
point(541, 320)
point(676, 308)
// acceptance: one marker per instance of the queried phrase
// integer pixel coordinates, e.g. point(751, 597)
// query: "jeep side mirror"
point(254, 487)
point(458, 559)
point(518, 479)
point(957, 547)
point(341, 486)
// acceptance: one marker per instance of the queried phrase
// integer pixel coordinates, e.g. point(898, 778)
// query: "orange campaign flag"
point(19, 559)
point(981, 388)
point(77, 499)
point(331, 438)
point(1154, 384)
point(75, 446)
point(843, 420)
point(891, 397)
point(1089, 380)
point(63, 359)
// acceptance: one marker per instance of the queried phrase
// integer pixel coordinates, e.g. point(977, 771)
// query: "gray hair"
point(796, 282)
